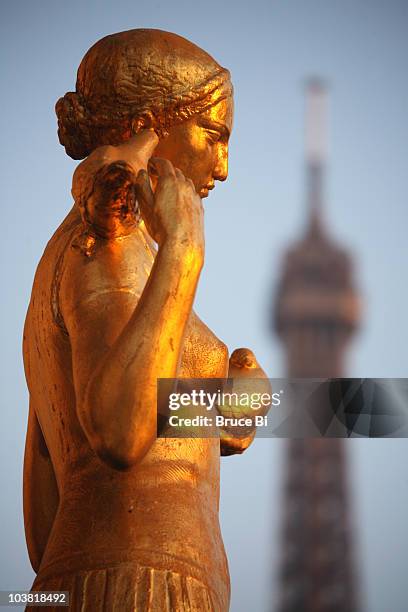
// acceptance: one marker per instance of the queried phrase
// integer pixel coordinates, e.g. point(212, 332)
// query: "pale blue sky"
point(361, 48)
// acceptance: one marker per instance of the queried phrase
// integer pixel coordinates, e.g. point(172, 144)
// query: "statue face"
point(199, 146)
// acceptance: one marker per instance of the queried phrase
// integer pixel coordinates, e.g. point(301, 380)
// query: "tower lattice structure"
point(316, 313)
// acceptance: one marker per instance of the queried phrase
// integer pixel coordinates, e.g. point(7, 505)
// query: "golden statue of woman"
point(120, 518)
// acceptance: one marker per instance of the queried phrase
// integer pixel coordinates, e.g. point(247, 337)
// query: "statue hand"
point(173, 211)
point(103, 185)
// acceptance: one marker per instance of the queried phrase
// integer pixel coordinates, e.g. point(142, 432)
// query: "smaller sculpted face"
point(199, 146)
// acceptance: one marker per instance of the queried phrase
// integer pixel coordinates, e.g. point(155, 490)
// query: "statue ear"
point(146, 121)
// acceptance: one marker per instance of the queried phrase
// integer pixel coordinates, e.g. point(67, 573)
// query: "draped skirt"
point(129, 587)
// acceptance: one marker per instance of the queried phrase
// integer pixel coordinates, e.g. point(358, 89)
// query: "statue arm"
point(119, 348)
point(40, 491)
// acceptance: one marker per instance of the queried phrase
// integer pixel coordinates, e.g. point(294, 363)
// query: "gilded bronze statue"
point(120, 518)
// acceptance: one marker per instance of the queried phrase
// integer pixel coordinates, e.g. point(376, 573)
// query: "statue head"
point(150, 79)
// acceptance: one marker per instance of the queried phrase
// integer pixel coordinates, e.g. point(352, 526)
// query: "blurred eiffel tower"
point(316, 313)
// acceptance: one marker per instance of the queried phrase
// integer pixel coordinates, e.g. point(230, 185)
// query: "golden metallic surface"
point(121, 518)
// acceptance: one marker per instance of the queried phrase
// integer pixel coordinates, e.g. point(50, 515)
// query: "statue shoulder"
point(119, 264)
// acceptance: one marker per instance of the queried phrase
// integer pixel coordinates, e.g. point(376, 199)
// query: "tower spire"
point(315, 148)
point(316, 312)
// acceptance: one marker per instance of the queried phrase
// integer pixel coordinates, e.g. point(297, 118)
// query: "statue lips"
point(204, 191)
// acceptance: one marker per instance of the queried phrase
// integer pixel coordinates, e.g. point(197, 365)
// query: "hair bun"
point(74, 124)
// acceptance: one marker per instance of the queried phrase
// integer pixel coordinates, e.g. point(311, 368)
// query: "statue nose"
point(221, 176)
point(221, 167)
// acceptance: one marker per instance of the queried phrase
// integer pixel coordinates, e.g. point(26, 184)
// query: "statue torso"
point(162, 513)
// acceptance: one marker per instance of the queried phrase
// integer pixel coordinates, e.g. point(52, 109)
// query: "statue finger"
point(144, 190)
point(141, 147)
point(160, 167)
point(179, 174)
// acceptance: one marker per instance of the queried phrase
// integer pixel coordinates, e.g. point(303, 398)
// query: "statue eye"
point(213, 135)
